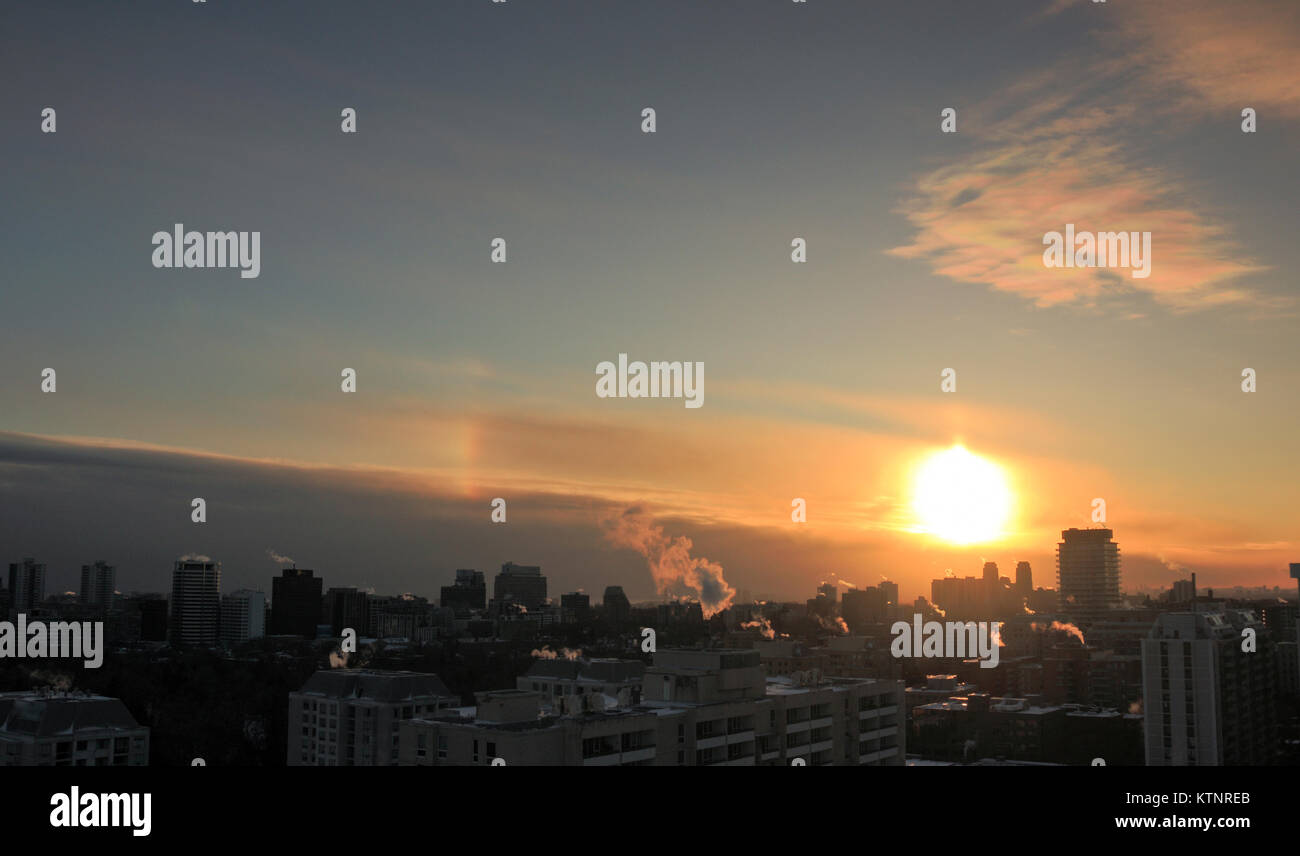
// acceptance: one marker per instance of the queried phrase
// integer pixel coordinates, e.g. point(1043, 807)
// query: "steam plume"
point(670, 561)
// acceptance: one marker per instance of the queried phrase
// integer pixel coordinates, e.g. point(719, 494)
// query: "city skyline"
point(477, 380)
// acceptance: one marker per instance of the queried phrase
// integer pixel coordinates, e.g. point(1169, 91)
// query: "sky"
point(475, 380)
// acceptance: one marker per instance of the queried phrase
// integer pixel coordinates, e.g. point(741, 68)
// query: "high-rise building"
point(98, 582)
point(243, 615)
point(1024, 579)
point(961, 597)
point(350, 717)
point(1087, 562)
point(991, 574)
point(295, 603)
point(618, 608)
point(1206, 702)
point(828, 591)
point(890, 590)
point(26, 585)
point(467, 594)
point(143, 618)
point(347, 608)
point(522, 584)
point(861, 607)
point(575, 607)
point(195, 602)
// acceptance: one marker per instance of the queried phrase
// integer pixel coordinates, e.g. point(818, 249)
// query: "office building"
point(523, 585)
point(467, 595)
point(243, 615)
point(195, 602)
point(618, 609)
point(347, 608)
point(575, 608)
point(295, 603)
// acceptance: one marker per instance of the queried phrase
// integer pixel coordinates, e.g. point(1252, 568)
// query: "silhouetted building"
point(1024, 579)
point(195, 602)
point(98, 582)
point(295, 603)
point(575, 607)
point(890, 590)
point(153, 611)
point(991, 574)
point(618, 609)
point(861, 607)
point(407, 617)
point(468, 594)
point(26, 585)
point(522, 584)
point(347, 608)
point(1087, 573)
point(961, 597)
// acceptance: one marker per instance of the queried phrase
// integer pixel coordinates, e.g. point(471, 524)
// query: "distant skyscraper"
point(991, 574)
point(617, 607)
point(1206, 702)
point(98, 582)
point(195, 602)
point(295, 603)
point(347, 608)
point(243, 615)
point(467, 594)
point(863, 606)
point(1087, 573)
point(26, 585)
point(522, 584)
point(1024, 578)
point(575, 607)
point(828, 591)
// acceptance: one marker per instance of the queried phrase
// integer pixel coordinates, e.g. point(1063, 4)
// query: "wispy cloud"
point(1077, 155)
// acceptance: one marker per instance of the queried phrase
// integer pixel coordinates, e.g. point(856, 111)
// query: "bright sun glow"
point(960, 497)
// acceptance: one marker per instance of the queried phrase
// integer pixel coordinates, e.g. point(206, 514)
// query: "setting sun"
point(961, 497)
